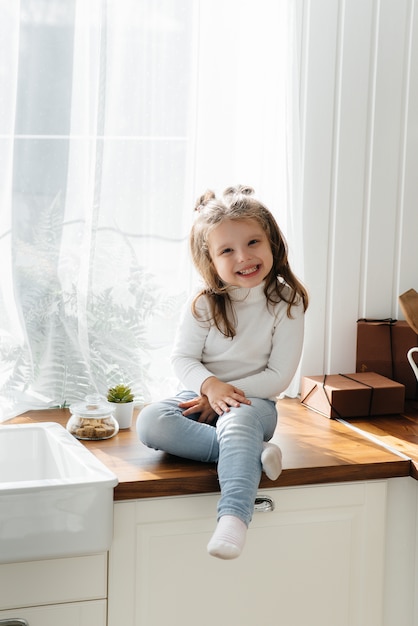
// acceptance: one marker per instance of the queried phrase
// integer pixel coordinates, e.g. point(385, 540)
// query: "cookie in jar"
point(92, 419)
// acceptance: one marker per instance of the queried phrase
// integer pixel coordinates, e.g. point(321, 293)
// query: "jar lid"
point(94, 406)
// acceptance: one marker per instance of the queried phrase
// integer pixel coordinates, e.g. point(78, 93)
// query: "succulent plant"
point(120, 394)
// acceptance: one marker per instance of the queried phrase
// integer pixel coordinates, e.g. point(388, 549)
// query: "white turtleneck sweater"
point(261, 359)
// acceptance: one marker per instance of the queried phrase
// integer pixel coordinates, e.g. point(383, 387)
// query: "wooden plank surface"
point(315, 450)
point(399, 432)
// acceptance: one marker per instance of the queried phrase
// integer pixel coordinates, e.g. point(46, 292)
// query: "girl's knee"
point(156, 420)
point(259, 418)
point(146, 422)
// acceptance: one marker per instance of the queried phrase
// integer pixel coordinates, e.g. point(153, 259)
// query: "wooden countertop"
point(399, 432)
point(315, 450)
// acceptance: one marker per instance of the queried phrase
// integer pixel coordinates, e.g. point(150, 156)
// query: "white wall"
point(359, 112)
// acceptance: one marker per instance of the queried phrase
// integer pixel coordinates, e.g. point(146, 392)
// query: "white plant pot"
point(123, 413)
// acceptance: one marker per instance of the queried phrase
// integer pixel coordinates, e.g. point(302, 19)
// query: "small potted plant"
point(122, 399)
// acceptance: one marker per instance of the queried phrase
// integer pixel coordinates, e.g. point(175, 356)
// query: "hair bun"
point(244, 190)
point(203, 200)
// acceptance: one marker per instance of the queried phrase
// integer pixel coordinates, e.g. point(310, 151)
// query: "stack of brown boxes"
point(384, 376)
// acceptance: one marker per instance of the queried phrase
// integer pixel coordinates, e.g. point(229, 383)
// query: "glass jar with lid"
point(92, 419)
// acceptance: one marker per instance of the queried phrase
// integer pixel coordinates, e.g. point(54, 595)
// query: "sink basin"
point(56, 497)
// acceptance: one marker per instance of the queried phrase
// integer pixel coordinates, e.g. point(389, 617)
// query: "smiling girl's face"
point(241, 253)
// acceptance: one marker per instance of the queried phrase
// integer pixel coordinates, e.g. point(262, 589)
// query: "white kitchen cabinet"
point(317, 559)
point(65, 592)
point(401, 557)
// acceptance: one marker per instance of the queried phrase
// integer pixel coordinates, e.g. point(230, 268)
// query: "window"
point(114, 116)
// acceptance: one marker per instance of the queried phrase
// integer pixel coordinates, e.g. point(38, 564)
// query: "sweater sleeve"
point(186, 357)
point(287, 343)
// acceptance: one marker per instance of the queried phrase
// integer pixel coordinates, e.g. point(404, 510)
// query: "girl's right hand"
point(200, 405)
point(222, 395)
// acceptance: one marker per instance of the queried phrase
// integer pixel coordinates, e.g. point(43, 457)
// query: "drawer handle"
point(264, 505)
point(13, 622)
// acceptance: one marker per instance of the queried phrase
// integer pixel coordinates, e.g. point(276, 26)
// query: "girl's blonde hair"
point(238, 203)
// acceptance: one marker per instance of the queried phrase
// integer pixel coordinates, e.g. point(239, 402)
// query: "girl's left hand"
point(201, 405)
point(221, 396)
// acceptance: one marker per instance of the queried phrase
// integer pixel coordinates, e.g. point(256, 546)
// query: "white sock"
point(229, 538)
point(271, 460)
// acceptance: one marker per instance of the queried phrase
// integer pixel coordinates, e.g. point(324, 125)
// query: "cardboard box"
point(352, 395)
point(374, 347)
point(404, 338)
point(382, 346)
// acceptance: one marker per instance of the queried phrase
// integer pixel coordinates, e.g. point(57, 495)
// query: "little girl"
point(237, 348)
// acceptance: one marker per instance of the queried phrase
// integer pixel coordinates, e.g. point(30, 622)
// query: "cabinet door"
point(53, 581)
point(316, 560)
point(76, 614)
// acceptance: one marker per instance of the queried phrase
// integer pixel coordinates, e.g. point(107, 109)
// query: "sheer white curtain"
point(114, 116)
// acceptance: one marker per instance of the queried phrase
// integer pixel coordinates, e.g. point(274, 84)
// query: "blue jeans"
point(235, 443)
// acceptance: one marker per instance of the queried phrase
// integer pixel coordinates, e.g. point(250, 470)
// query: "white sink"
point(56, 497)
